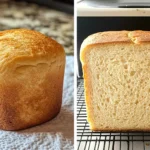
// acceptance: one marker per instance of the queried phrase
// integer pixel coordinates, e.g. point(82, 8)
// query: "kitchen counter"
point(56, 134)
point(86, 8)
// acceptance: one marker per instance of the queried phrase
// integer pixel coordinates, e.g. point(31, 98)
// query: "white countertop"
point(83, 9)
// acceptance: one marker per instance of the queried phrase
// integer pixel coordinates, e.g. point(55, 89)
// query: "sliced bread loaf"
point(116, 67)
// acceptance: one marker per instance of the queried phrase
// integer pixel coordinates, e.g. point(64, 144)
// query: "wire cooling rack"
point(88, 140)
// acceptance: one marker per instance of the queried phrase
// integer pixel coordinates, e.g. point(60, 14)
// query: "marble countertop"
point(53, 23)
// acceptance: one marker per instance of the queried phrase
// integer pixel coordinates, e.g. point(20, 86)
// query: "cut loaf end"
point(117, 80)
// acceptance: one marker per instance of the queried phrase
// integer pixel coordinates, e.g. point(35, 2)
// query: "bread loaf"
point(31, 78)
point(116, 67)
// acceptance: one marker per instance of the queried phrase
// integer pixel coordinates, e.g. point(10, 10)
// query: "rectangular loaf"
point(116, 67)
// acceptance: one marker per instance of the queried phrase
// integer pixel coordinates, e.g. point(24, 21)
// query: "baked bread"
point(116, 67)
point(31, 78)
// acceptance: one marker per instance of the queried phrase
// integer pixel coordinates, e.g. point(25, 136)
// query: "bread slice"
point(116, 67)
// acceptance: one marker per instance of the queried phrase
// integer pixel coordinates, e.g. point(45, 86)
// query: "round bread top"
point(135, 37)
point(112, 37)
point(23, 45)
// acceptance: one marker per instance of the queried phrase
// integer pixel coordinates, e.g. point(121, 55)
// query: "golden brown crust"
point(21, 44)
point(101, 38)
point(106, 37)
point(121, 130)
point(138, 37)
point(31, 78)
point(135, 37)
